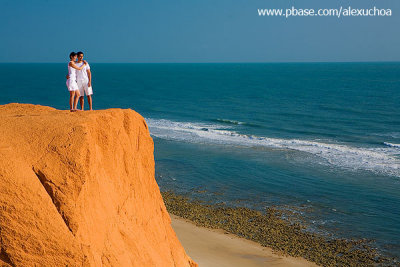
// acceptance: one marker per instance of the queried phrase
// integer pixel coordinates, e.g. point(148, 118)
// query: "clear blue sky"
point(193, 31)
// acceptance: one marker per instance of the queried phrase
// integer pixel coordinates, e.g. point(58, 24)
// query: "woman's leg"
point(71, 100)
point(76, 99)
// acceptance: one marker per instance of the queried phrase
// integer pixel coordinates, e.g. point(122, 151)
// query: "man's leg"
point(82, 101)
point(89, 99)
point(81, 93)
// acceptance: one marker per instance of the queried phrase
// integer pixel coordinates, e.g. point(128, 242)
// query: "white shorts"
point(72, 85)
point(83, 88)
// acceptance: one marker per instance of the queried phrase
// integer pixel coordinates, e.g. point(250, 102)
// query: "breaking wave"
point(379, 160)
point(391, 144)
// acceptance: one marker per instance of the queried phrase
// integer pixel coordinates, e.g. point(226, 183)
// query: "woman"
point(71, 81)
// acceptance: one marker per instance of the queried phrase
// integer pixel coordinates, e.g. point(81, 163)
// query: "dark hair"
point(72, 55)
point(79, 53)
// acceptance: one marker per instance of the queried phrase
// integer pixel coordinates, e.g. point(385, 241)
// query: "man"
point(84, 80)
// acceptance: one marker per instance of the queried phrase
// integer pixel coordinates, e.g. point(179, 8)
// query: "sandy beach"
point(216, 247)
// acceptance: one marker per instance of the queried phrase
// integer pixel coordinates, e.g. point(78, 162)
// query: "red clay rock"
point(78, 189)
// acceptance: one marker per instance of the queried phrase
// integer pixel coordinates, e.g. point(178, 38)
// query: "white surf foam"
point(231, 121)
point(391, 144)
point(379, 160)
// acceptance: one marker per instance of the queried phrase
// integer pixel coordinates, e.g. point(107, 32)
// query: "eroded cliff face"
point(78, 189)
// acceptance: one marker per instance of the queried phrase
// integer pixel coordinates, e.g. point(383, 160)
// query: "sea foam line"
point(378, 160)
point(391, 144)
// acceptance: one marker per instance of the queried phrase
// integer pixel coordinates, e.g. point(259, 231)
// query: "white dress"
point(71, 82)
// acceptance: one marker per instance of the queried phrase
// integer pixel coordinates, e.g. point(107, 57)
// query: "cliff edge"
point(78, 189)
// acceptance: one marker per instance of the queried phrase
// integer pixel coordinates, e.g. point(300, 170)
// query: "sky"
point(176, 31)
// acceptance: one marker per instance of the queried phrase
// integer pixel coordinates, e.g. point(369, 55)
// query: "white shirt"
point(81, 75)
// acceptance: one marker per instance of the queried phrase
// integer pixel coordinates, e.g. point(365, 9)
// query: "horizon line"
point(217, 62)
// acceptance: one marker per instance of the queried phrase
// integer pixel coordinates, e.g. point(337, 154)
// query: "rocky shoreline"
point(271, 230)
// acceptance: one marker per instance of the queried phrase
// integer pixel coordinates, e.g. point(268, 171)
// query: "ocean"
point(319, 139)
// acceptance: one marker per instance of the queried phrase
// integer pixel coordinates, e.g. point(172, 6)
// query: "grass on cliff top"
point(270, 230)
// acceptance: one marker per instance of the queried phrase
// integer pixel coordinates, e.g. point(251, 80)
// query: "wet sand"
point(216, 247)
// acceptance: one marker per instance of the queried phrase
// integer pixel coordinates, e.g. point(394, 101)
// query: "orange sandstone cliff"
point(78, 189)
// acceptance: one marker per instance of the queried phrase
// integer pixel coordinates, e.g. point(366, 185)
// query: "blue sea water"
point(320, 139)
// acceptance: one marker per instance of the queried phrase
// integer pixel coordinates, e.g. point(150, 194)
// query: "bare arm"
point(89, 74)
point(73, 65)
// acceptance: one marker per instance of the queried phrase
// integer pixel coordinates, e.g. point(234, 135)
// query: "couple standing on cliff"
point(79, 81)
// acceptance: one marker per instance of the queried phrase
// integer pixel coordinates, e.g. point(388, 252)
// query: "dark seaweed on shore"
point(271, 230)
